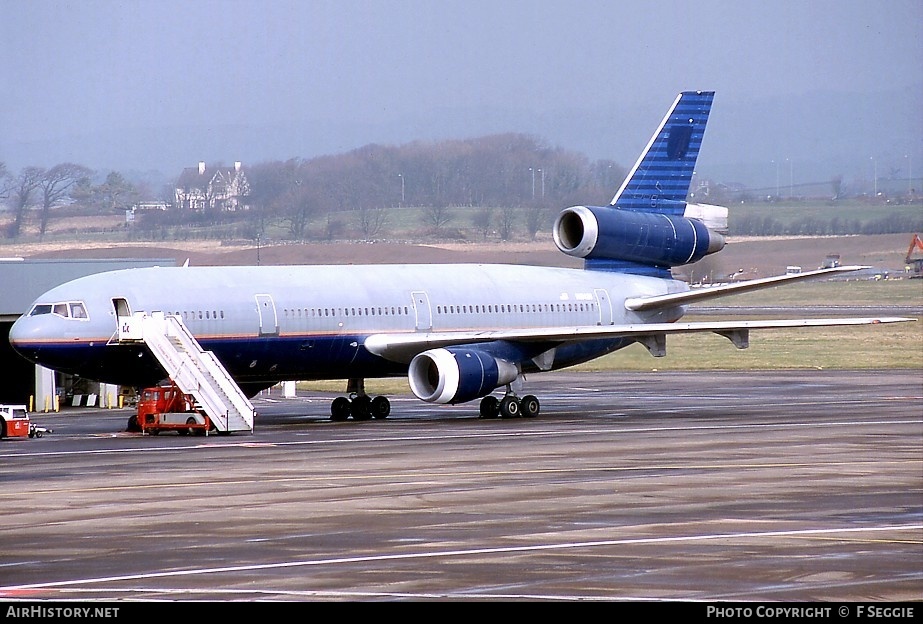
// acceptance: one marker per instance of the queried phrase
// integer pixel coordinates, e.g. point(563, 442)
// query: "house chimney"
point(201, 167)
point(236, 165)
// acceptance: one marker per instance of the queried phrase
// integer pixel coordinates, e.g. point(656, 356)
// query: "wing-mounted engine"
point(644, 238)
point(458, 374)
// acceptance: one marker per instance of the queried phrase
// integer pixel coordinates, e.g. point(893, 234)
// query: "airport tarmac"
point(714, 486)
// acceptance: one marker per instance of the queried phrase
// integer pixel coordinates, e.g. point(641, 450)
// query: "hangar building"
point(22, 281)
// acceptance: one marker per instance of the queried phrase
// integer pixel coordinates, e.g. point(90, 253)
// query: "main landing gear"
point(359, 405)
point(510, 406)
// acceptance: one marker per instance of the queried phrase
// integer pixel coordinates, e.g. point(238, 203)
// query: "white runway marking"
point(613, 430)
point(465, 553)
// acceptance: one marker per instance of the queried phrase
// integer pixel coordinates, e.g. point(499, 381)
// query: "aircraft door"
point(269, 322)
point(605, 306)
point(424, 315)
point(127, 328)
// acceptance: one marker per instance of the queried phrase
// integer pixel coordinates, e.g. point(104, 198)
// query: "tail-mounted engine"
point(647, 238)
point(457, 374)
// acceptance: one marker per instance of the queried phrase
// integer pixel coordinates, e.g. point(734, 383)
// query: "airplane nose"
point(26, 337)
point(19, 332)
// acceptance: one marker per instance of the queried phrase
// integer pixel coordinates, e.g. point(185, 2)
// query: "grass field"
point(846, 211)
point(866, 347)
point(897, 345)
point(863, 292)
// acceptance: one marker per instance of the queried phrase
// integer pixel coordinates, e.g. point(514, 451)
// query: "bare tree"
point(438, 215)
point(507, 219)
point(302, 206)
point(22, 191)
point(4, 181)
point(372, 221)
point(482, 219)
point(837, 184)
point(334, 227)
point(55, 185)
point(536, 215)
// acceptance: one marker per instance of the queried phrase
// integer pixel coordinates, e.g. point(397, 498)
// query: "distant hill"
point(809, 138)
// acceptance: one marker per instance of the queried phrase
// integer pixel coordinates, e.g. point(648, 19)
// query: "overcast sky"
point(387, 71)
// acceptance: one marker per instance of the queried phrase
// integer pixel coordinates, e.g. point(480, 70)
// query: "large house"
point(218, 189)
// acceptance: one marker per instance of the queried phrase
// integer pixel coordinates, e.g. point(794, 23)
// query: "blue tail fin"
point(659, 181)
point(645, 229)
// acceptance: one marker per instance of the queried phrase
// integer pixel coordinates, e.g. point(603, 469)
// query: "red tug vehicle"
point(167, 408)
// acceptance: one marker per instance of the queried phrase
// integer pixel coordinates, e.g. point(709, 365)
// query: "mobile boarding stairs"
point(194, 370)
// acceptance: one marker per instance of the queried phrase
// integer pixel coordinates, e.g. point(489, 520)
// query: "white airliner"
point(459, 332)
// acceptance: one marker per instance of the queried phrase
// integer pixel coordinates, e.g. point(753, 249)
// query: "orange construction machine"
point(914, 261)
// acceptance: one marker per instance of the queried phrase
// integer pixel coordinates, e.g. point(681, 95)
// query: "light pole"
point(777, 179)
point(791, 187)
point(533, 181)
point(874, 175)
point(543, 182)
point(909, 175)
point(401, 176)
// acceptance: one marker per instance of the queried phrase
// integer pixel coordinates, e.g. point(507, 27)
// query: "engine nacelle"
point(457, 374)
point(598, 233)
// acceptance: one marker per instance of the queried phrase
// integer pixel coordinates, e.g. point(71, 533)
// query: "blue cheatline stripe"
point(661, 178)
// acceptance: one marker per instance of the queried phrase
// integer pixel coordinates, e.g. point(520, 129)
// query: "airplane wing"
point(638, 304)
point(404, 346)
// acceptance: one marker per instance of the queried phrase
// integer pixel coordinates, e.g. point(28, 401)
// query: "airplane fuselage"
point(273, 323)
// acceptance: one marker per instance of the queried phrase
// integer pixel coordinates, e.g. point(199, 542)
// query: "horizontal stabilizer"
point(637, 304)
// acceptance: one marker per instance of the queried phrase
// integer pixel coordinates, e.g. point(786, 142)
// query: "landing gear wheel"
point(509, 407)
point(340, 409)
point(381, 407)
point(529, 406)
point(490, 407)
point(362, 408)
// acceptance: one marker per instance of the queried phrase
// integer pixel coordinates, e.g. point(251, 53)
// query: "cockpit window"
point(78, 310)
point(67, 309)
